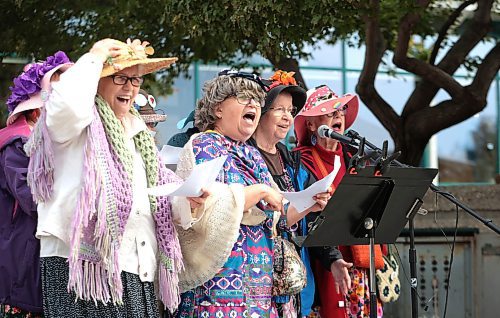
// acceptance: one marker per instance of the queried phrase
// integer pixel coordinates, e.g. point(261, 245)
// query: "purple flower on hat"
point(29, 82)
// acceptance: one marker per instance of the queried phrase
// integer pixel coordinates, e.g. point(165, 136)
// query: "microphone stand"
point(412, 251)
point(487, 222)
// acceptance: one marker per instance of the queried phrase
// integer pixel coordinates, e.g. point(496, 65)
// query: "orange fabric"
point(329, 298)
point(322, 168)
point(361, 256)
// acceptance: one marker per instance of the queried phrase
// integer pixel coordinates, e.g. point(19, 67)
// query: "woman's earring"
point(314, 139)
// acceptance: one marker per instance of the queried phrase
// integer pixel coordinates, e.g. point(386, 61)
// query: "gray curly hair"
point(216, 90)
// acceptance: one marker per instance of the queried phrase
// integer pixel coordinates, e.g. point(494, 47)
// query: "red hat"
point(322, 100)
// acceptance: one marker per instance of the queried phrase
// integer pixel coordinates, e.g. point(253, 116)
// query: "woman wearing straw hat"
point(104, 241)
point(283, 100)
point(227, 245)
point(20, 285)
point(343, 289)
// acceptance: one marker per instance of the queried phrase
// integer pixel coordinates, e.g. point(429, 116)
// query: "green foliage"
point(231, 31)
point(223, 31)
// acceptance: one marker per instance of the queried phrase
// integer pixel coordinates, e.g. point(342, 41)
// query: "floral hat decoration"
point(321, 100)
point(31, 87)
point(282, 81)
point(135, 53)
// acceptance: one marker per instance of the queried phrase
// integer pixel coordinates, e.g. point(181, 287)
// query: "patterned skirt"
point(358, 298)
point(139, 299)
point(7, 311)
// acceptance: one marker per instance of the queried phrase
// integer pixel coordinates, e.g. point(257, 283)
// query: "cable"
point(426, 307)
point(451, 262)
point(404, 271)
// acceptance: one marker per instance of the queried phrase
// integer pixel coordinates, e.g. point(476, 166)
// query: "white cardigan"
point(69, 112)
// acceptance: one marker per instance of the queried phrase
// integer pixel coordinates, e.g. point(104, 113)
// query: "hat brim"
point(328, 107)
point(184, 121)
point(153, 118)
point(147, 65)
point(299, 96)
point(35, 101)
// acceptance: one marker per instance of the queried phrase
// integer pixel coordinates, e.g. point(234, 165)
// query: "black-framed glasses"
point(122, 80)
point(250, 76)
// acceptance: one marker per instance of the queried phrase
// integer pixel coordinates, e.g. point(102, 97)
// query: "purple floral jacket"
point(20, 283)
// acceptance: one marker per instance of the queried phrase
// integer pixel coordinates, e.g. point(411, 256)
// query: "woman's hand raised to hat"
point(105, 49)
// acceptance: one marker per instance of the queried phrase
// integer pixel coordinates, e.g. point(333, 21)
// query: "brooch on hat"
point(282, 78)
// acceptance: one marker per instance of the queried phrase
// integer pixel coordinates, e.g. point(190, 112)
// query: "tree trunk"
point(411, 147)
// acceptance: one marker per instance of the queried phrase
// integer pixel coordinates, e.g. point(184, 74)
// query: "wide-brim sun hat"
point(321, 100)
point(186, 120)
point(134, 53)
point(38, 99)
point(284, 82)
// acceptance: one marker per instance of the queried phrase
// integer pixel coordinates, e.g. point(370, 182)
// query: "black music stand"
point(367, 209)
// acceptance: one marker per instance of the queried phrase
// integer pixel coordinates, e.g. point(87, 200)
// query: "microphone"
point(325, 131)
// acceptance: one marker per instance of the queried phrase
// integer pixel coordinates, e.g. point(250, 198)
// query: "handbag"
point(289, 274)
point(388, 285)
point(361, 256)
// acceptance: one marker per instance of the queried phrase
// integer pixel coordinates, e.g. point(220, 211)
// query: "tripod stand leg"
point(413, 270)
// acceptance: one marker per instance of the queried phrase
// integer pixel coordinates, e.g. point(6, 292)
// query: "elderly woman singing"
point(104, 241)
point(343, 289)
point(227, 245)
point(284, 99)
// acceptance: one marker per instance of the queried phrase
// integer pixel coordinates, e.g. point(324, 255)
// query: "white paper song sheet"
point(170, 154)
point(303, 200)
point(202, 176)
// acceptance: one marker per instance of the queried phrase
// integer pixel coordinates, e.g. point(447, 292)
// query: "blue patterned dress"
point(243, 287)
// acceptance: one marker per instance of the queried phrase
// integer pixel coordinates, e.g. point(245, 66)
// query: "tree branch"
point(487, 71)
point(418, 67)
point(444, 29)
point(444, 115)
point(473, 33)
point(453, 111)
point(375, 48)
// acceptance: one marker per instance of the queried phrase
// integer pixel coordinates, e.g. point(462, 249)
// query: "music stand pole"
point(413, 270)
point(370, 226)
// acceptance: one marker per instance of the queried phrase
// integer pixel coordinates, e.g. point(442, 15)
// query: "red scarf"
point(325, 163)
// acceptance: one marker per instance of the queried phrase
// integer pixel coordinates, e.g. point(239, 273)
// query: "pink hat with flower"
point(32, 87)
point(321, 100)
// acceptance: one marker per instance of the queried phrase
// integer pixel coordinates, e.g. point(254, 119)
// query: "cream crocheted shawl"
point(207, 234)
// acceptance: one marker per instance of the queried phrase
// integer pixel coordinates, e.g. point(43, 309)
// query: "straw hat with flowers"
point(135, 53)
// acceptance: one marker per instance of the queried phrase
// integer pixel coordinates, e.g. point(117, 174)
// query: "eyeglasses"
point(339, 112)
point(250, 76)
point(122, 80)
point(245, 100)
point(282, 110)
